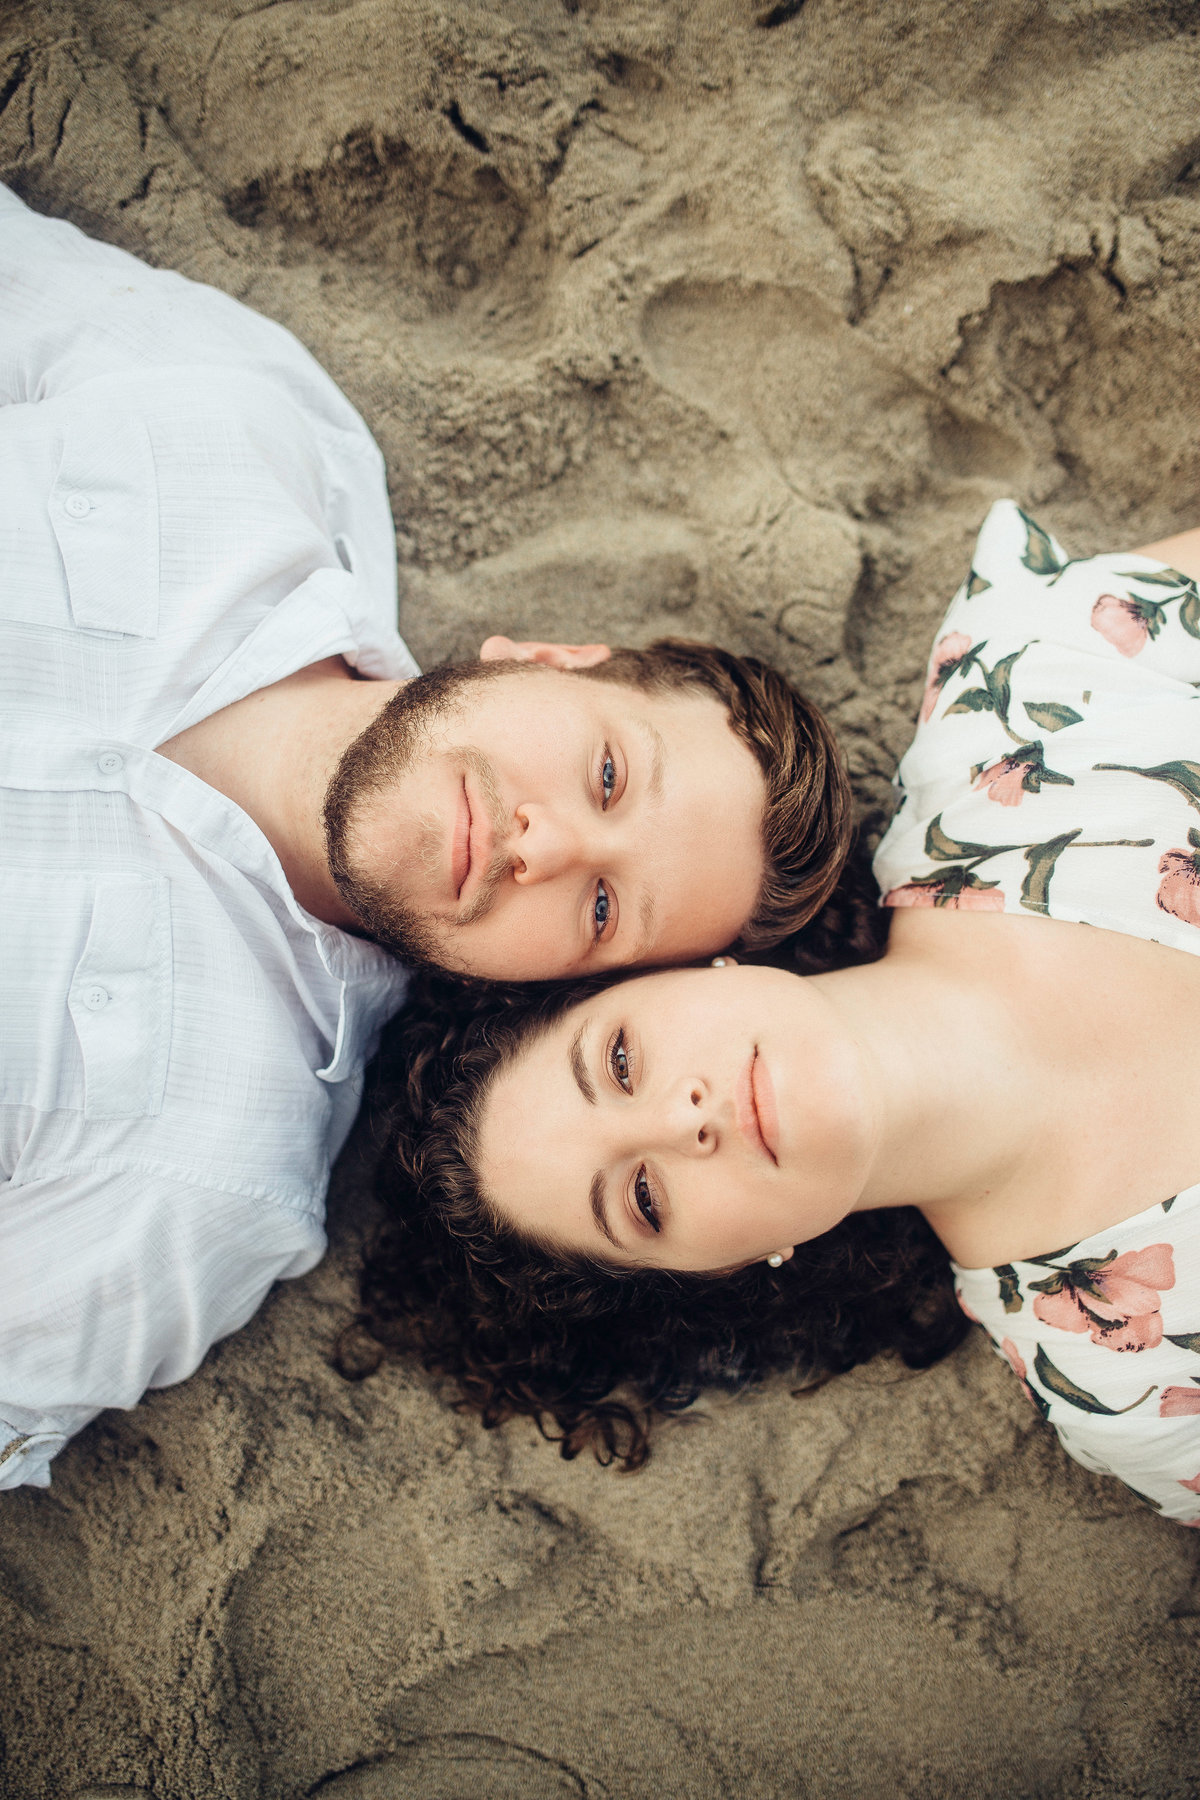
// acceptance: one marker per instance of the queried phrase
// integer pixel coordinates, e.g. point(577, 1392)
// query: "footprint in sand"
point(460, 1766)
point(844, 427)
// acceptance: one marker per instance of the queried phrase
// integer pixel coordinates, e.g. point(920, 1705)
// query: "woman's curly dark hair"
point(591, 1351)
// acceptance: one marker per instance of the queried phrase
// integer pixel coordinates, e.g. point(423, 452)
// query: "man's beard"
point(378, 759)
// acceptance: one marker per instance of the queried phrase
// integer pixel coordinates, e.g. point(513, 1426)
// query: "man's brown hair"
point(808, 821)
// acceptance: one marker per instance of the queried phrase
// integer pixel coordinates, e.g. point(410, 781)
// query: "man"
point(221, 774)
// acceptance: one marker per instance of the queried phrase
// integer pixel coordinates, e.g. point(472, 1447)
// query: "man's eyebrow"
point(599, 1211)
point(583, 1082)
point(636, 953)
point(647, 912)
point(658, 758)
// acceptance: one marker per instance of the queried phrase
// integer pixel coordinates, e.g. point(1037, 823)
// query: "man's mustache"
point(501, 860)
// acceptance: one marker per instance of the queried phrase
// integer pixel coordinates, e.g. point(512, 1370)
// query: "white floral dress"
point(1056, 770)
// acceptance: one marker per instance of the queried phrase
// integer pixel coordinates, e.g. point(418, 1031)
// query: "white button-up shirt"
point(189, 511)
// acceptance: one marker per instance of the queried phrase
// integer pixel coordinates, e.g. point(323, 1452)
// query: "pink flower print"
point(948, 652)
point(1116, 1300)
point(1122, 622)
point(975, 1318)
point(1005, 780)
point(1178, 1402)
point(934, 893)
point(1194, 1484)
point(1179, 889)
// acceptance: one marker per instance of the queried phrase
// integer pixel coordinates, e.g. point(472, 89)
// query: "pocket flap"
point(120, 997)
point(104, 514)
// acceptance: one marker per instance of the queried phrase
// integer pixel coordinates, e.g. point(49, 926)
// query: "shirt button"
point(110, 762)
point(96, 998)
point(77, 506)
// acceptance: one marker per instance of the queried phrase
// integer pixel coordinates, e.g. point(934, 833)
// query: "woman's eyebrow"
point(583, 1080)
point(600, 1209)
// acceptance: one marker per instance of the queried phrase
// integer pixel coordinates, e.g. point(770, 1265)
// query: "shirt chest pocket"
point(79, 515)
point(85, 993)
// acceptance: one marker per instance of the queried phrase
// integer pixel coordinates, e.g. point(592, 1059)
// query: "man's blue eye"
point(600, 909)
point(608, 778)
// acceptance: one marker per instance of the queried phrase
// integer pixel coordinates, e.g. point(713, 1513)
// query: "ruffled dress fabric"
point(1056, 771)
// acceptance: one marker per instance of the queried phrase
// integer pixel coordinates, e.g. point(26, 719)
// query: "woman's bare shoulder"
point(1181, 552)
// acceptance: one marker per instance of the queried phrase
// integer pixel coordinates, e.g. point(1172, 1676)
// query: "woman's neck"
point(1022, 1077)
point(957, 1090)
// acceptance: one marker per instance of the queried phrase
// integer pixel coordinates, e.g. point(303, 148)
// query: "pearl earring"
point(775, 1260)
point(718, 962)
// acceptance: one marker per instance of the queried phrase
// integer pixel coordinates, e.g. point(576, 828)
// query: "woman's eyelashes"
point(645, 1200)
point(620, 1062)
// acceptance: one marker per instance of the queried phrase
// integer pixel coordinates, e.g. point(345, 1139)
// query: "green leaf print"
point(1039, 554)
point(1186, 1340)
point(1065, 1389)
point(974, 700)
point(1042, 859)
point(1000, 681)
point(1186, 592)
point(1172, 578)
point(1183, 776)
point(941, 848)
point(949, 883)
point(976, 585)
point(1144, 1498)
point(1051, 715)
point(1010, 1288)
point(1078, 1274)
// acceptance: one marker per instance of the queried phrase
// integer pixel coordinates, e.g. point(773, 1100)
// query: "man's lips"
point(754, 1104)
point(471, 845)
point(460, 843)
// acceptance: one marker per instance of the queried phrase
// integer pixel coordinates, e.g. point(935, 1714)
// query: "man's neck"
point(274, 754)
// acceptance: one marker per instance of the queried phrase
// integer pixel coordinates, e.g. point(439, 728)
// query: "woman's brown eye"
point(620, 1062)
point(645, 1200)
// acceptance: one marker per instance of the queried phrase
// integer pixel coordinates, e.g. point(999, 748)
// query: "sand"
point(726, 318)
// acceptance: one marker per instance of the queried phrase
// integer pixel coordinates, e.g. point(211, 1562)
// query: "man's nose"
point(546, 843)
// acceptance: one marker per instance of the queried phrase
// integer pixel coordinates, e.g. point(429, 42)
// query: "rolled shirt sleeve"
point(118, 1281)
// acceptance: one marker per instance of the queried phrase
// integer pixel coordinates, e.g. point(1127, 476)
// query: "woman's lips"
point(764, 1105)
point(754, 1103)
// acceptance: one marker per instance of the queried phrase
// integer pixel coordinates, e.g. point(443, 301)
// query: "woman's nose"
point(691, 1120)
point(544, 844)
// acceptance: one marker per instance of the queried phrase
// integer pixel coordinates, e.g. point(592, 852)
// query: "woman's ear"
point(554, 656)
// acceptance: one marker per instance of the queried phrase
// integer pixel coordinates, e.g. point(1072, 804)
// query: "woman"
point(701, 1174)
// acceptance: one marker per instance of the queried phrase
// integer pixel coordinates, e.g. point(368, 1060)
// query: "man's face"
point(525, 823)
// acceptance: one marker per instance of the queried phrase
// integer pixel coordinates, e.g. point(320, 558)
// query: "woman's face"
point(697, 1119)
